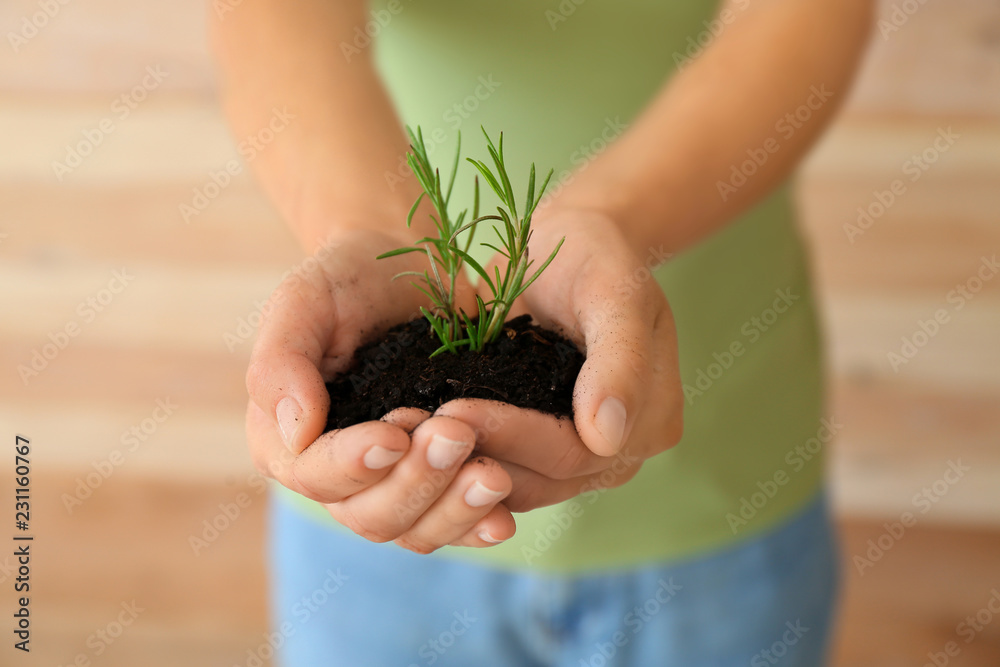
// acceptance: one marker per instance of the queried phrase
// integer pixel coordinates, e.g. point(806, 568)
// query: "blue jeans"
point(339, 600)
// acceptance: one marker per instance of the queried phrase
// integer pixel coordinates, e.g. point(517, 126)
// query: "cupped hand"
point(627, 401)
point(404, 478)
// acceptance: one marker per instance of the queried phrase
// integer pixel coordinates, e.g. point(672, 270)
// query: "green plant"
point(453, 326)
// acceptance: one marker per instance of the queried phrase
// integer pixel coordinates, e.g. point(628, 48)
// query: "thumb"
point(283, 378)
point(618, 374)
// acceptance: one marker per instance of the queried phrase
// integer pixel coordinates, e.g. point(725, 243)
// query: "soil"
point(528, 366)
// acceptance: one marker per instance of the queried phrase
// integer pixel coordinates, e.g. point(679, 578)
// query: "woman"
point(672, 128)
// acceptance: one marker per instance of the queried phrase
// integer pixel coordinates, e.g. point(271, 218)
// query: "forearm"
point(669, 180)
point(325, 170)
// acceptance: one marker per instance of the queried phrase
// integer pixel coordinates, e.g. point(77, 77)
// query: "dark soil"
point(528, 366)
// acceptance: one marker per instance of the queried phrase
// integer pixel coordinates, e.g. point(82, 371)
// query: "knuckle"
point(379, 535)
point(525, 498)
point(489, 472)
point(281, 465)
point(416, 546)
point(257, 376)
point(570, 463)
point(627, 476)
point(369, 530)
point(262, 464)
point(639, 364)
point(613, 478)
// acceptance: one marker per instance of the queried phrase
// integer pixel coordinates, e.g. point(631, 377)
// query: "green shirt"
point(561, 79)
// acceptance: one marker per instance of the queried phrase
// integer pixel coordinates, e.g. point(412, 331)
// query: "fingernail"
point(289, 413)
point(479, 495)
point(442, 453)
point(485, 536)
point(610, 421)
point(379, 457)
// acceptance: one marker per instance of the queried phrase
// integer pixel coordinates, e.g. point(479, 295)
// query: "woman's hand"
point(627, 400)
point(404, 478)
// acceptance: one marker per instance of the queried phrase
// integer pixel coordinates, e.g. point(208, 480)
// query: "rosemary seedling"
point(454, 327)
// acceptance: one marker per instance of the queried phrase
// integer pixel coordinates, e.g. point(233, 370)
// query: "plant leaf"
point(470, 225)
point(488, 175)
point(453, 349)
point(477, 267)
point(542, 268)
point(471, 332)
point(437, 276)
point(475, 215)
point(413, 210)
point(399, 251)
point(493, 247)
point(481, 330)
point(531, 191)
point(454, 169)
point(408, 273)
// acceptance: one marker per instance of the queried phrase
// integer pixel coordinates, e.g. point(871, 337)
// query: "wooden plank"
point(103, 45)
point(108, 225)
point(941, 61)
point(130, 542)
point(863, 332)
point(910, 602)
point(159, 305)
point(166, 138)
